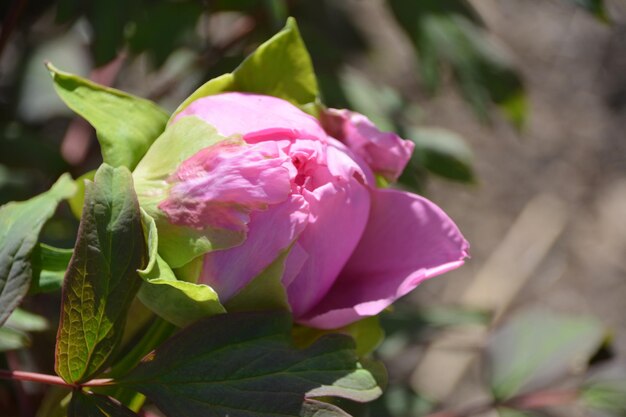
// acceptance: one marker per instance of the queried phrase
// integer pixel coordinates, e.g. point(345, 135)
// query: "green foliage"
point(442, 152)
point(78, 199)
point(102, 276)
point(157, 27)
point(538, 347)
point(448, 32)
point(280, 67)
point(607, 395)
point(14, 333)
point(49, 266)
point(126, 125)
point(178, 245)
point(91, 405)
point(20, 225)
point(178, 302)
point(204, 369)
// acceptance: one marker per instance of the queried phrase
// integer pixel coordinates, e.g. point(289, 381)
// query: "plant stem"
point(35, 377)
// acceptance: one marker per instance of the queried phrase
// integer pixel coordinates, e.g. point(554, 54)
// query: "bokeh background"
point(518, 111)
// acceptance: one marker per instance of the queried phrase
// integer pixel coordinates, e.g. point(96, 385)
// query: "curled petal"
point(385, 152)
point(408, 239)
point(220, 185)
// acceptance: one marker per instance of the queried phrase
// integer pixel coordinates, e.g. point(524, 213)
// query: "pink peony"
point(353, 248)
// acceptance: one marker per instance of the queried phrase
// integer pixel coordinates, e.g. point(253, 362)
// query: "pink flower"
point(353, 248)
point(385, 152)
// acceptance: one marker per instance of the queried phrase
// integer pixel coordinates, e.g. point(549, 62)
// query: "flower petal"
point(339, 211)
point(385, 152)
point(220, 185)
point(242, 113)
point(269, 233)
point(408, 239)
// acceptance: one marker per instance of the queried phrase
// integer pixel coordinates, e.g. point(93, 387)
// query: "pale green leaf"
point(125, 125)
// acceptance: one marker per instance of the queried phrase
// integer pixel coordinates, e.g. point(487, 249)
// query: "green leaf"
point(280, 67)
point(509, 412)
point(178, 302)
point(125, 125)
point(608, 395)
point(12, 339)
point(85, 404)
point(27, 322)
point(595, 7)
point(102, 278)
point(49, 266)
point(443, 153)
point(537, 347)
point(20, 225)
point(367, 334)
point(179, 245)
point(205, 369)
point(448, 32)
point(78, 199)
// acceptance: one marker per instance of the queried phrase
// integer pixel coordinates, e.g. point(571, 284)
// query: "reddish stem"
point(51, 379)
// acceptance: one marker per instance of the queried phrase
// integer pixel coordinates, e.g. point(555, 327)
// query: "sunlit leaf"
point(125, 125)
point(537, 347)
point(176, 301)
point(49, 266)
point(280, 67)
point(12, 339)
point(20, 225)
point(102, 278)
point(204, 369)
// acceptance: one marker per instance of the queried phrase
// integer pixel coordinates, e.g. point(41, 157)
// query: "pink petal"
point(269, 233)
point(385, 152)
point(338, 215)
point(408, 239)
point(242, 113)
point(220, 185)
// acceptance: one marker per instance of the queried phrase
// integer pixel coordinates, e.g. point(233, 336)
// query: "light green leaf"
point(205, 368)
point(85, 404)
point(179, 245)
point(49, 266)
point(126, 125)
point(280, 67)
point(12, 339)
point(537, 347)
point(78, 199)
point(20, 225)
point(176, 301)
point(102, 278)
point(27, 322)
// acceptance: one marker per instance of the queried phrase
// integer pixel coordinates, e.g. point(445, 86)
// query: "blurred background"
point(518, 112)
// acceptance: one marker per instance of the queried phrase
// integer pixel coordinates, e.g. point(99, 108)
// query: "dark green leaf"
point(20, 225)
point(160, 27)
point(243, 364)
point(442, 152)
point(49, 266)
point(312, 408)
point(449, 33)
point(538, 347)
point(84, 404)
point(102, 278)
point(280, 67)
point(126, 125)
